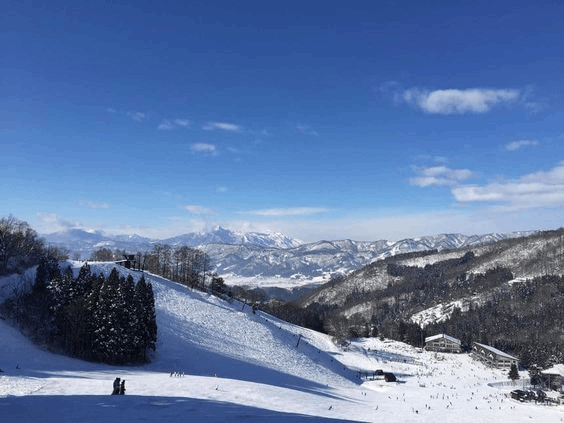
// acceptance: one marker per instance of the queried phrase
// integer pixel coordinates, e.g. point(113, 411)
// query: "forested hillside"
point(102, 318)
point(509, 294)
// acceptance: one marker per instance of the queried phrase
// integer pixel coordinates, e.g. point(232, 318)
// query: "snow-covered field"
point(240, 366)
point(296, 281)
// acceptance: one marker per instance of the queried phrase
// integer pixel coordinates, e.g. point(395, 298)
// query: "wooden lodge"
point(443, 343)
point(492, 356)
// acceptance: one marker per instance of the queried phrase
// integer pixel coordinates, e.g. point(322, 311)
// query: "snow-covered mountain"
point(86, 242)
point(225, 236)
point(240, 256)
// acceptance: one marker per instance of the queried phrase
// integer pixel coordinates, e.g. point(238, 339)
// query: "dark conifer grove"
point(110, 320)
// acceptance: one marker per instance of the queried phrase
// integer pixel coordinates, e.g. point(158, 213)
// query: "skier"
point(116, 386)
point(122, 387)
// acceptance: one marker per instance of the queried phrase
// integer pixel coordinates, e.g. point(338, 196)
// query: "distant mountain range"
point(269, 255)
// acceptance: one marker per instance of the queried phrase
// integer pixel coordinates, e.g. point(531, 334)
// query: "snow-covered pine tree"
point(92, 296)
point(145, 302)
point(151, 318)
point(127, 320)
point(513, 372)
point(84, 280)
point(107, 333)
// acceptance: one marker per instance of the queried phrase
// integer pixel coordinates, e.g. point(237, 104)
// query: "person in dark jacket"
point(122, 387)
point(116, 386)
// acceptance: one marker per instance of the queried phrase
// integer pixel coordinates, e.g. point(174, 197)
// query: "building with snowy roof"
point(492, 356)
point(443, 343)
point(555, 376)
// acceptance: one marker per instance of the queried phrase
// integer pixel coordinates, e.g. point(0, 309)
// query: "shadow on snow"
point(109, 409)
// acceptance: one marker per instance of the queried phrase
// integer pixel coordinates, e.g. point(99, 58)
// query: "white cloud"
point(52, 222)
point(452, 101)
point(297, 211)
point(94, 205)
point(516, 145)
point(137, 116)
point(203, 148)
point(222, 126)
point(182, 122)
point(198, 210)
point(533, 190)
point(221, 189)
point(168, 124)
point(439, 176)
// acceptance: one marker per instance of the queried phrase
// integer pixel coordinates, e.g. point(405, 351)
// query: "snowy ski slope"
point(242, 366)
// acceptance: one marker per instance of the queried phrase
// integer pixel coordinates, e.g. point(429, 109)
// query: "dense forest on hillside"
point(111, 320)
point(524, 318)
point(108, 319)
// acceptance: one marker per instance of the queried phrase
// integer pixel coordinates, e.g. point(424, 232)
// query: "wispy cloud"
point(94, 205)
point(203, 148)
point(306, 130)
point(516, 145)
point(182, 122)
point(222, 126)
point(52, 222)
point(137, 116)
point(198, 210)
point(297, 211)
point(168, 125)
point(439, 176)
point(221, 189)
point(453, 101)
point(533, 190)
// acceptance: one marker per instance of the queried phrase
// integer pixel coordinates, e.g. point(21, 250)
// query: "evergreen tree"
point(128, 320)
point(145, 303)
point(41, 275)
point(218, 285)
point(513, 373)
point(83, 280)
point(151, 318)
point(107, 333)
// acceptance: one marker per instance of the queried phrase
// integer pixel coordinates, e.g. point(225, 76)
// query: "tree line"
point(186, 265)
point(21, 247)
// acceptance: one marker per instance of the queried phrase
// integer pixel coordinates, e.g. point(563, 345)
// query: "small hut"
point(128, 261)
point(389, 377)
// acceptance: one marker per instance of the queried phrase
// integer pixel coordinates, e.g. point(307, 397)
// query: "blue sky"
point(321, 120)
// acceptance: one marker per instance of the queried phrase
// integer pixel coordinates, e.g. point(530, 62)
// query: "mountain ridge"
point(274, 255)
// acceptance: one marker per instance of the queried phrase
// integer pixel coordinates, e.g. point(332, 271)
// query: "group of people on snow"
point(119, 388)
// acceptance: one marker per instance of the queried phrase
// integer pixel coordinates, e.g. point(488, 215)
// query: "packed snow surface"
point(218, 361)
